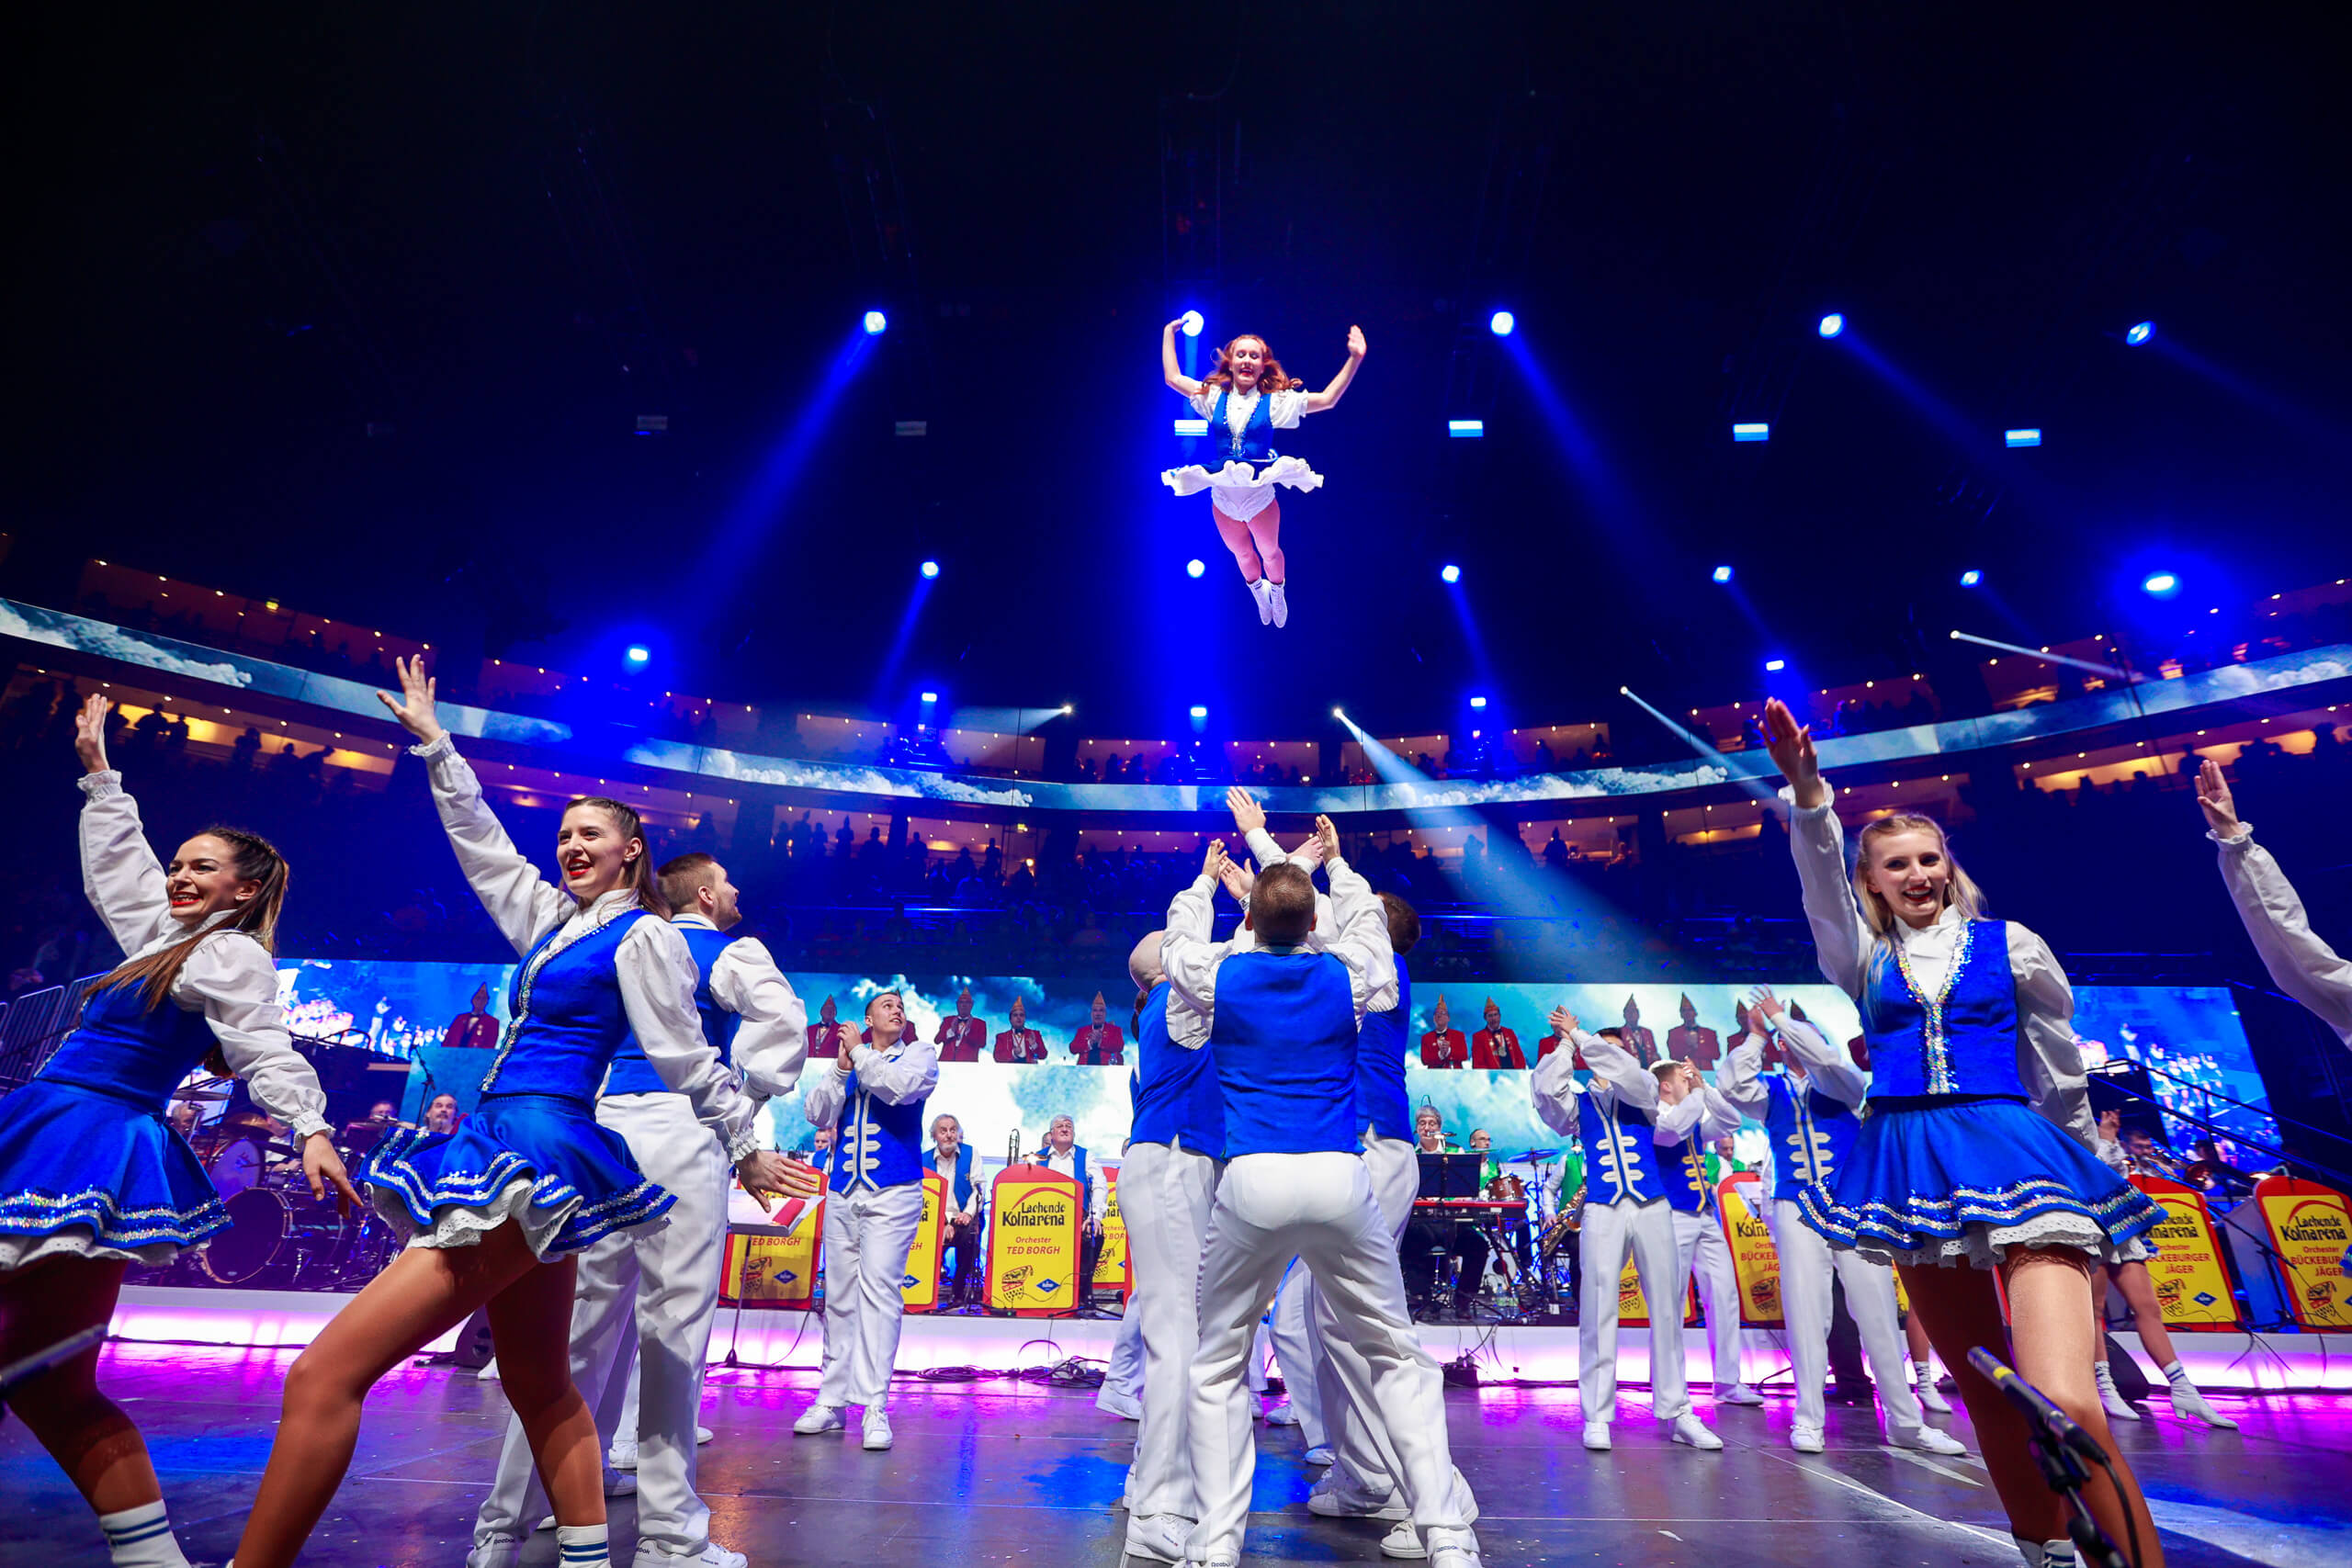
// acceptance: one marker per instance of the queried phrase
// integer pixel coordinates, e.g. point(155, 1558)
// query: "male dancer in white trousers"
point(873, 1099)
point(1701, 1250)
point(644, 1300)
point(1615, 1118)
point(1282, 1020)
point(1808, 1110)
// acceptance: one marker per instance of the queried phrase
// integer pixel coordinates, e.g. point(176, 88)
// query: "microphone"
point(2049, 1421)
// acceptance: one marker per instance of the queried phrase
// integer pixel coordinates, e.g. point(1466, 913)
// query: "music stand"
point(1450, 1175)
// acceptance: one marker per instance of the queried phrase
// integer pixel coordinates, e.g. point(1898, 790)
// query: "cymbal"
point(1534, 1156)
point(201, 1095)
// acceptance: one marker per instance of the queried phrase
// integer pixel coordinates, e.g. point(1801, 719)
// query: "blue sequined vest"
point(1255, 444)
point(565, 1017)
point(1381, 1102)
point(1965, 1042)
point(127, 1052)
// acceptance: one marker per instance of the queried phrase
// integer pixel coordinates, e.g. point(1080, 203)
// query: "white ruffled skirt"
point(1238, 489)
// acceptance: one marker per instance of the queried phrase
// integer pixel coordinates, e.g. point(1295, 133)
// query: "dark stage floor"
point(1014, 1472)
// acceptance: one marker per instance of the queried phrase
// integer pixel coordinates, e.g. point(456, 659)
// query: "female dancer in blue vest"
point(498, 1211)
point(91, 1180)
point(1971, 1030)
point(1246, 399)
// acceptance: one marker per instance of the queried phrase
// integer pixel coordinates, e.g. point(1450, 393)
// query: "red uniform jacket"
point(825, 1039)
point(1642, 1044)
point(1695, 1044)
point(1496, 1048)
point(1099, 1046)
point(1022, 1045)
point(1551, 1042)
point(960, 1038)
point(474, 1031)
point(1444, 1048)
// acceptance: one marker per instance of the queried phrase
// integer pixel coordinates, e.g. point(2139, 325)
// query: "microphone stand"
point(2060, 1447)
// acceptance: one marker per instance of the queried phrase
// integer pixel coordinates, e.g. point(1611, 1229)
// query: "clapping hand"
point(90, 734)
point(1563, 1022)
point(1249, 817)
point(1327, 836)
point(1238, 879)
point(415, 710)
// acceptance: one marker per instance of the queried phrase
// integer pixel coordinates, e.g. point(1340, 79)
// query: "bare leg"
point(1914, 1335)
point(2140, 1290)
point(529, 1329)
point(92, 1439)
point(2099, 1312)
point(1236, 535)
point(424, 1293)
point(1266, 534)
point(2050, 1322)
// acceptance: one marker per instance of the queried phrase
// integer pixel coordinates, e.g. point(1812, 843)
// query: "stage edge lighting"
point(2139, 332)
point(1502, 323)
point(1831, 324)
point(875, 323)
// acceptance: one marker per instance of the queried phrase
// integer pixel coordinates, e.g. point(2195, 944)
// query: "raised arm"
point(1554, 1082)
point(2299, 962)
point(1362, 942)
point(1840, 940)
point(910, 1076)
point(1170, 371)
point(1617, 1071)
point(119, 875)
point(773, 1043)
point(1831, 1070)
point(1740, 1079)
point(2050, 1058)
point(231, 981)
point(1329, 395)
point(520, 902)
point(1187, 957)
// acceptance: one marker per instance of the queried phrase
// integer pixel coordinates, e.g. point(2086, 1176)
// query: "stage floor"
point(1004, 1471)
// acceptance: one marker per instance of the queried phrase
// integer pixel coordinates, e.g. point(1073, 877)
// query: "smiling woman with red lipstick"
point(1245, 399)
point(91, 1180)
point(497, 1212)
point(1977, 1151)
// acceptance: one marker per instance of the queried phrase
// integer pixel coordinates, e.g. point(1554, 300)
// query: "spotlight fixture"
point(1760, 431)
point(930, 569)
point(2021, 437)
point(638, 654)
point(1195, 566)
point(1192, 323)
point(1502, 323)
point(1723, 574)
point(1338, 714)
point(2161, 585)
point(1970, 578)
point(875, 323)
point(1199, 712)
point(929, 698)
point(1465, 429)
point(1477, 701)
point(1831, 324)
point(1774, 666)
point(2139, 332)
point(1449, 572)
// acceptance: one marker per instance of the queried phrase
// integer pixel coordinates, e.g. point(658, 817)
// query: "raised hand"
point(1249, 817)
point(415, 710)
point(1564, 1023)
point(1309, 853)
point(1355, 343)
point(1214, 861)
point(90, 734)
point(2212, 794)
point(1761, 999)
point(1239, 880)
point(1327, 836)
point(1790, 744)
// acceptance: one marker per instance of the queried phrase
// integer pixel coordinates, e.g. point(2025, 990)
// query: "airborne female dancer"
point(1246, 399)
point(497, 1212)
point(91, 1180)
point(1953, 1174)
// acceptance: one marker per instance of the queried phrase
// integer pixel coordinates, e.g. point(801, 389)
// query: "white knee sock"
point(2178, 1375)
point(582, 1546)
point(141, 1537)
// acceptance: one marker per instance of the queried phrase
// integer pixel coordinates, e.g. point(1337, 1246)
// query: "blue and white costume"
point(1812, 1121)
point(1241, 478)
point(592, 977)
point(1979, 1136)
point(1702, 1254)
point(88, 1168)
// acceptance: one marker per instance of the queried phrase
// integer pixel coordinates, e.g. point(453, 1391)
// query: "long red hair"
point(1270, 374)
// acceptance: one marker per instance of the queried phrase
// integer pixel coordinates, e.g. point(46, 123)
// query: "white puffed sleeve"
point(2049, 1059)
point(656, 977)
point(524, 905)
point(2300, 964)
point(773, 1043)
point(1553, 1086)
point(1737, 1079)
point(119, 873)
point(231, 981)
point(1840, 940)
point(1286, 408)
point(1190, 961)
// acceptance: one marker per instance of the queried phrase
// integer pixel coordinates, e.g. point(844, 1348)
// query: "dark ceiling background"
point(244, 235)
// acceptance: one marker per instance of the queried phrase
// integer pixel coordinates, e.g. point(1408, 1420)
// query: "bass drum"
point(235, 1168)
point(275, 1239)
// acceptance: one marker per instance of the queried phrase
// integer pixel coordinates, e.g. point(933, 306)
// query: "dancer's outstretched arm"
point(1170, 371)
point(1330, 397)
point(2300, 964)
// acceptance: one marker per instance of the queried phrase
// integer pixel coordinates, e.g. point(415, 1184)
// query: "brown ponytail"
point(642, 881)
point(256, 860)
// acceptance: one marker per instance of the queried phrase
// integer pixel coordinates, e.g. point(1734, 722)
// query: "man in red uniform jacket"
point(1443, 1047)
point(1639, 1041)
point(475, 1031)
point(1495, 1046)
point(1694, 1042)
point(825, 1040)
point(961, 1036)
point(1019, 1043)
point(1099, 1044)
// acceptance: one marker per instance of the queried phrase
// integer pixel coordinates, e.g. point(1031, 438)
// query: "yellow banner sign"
point(1037, 1221)
point(1755, 1262)
point(1633, 1308)
point(920, 1285)
point(2192, 1282)
point(777, 1272)
point(2310, 1228)
point(1111, 1263)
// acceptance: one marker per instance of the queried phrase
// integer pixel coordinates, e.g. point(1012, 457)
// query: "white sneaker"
point(819, 1418)
point(1334, 1499)
point(623, 1454)
point(1453, 1548)
point(1738, 1393)
point(1807, 1439)
point(498, 1552)
point(1321, 1454)
point(1262, 592)
point(2188, 1404)
point(489, 1372)
point(702, 1436)
point(877, 1429)
point(1126, 1406)
point(1159, 1537)
point(1688, 1428)
point(1285, 1414)
point(620, 1483)
point(1282, 606)
point(1930, 1396)
point(1404, 1541)
point(654, 1554)
point(1927, 1440)
point(1595, 1436)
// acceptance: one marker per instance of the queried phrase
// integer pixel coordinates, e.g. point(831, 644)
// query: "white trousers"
point(1646, 1230)
point(1806, 1260)
point(644, 1300)
point(1123, 1372)
point(1319, 1207)
point(1698, 1244)
point(868, 1232)
point(1297, 1353)
point(1165, 1192)
point(1362, 1452)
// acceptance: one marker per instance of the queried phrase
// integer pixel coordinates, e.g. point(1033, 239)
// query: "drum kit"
point(279, 1237)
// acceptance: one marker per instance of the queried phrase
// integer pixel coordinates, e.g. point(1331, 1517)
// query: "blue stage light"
point(1774, 666)
point(1449, 572)
point(1195, 566)
point(1756, 431)
point(1192, 323)
point(1199, 713)
point(1465, 429)
point(1502, 323)
point(929, 698)
point(2139, 332)
point(2161, 585)
point(1192, 427)
point(930, 569)
point(1831, 324)
point(875, 322)
point(1477, 701)
point(1723, 574)
point(2021, 437)
point(1970, 578)
point(638, 653)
